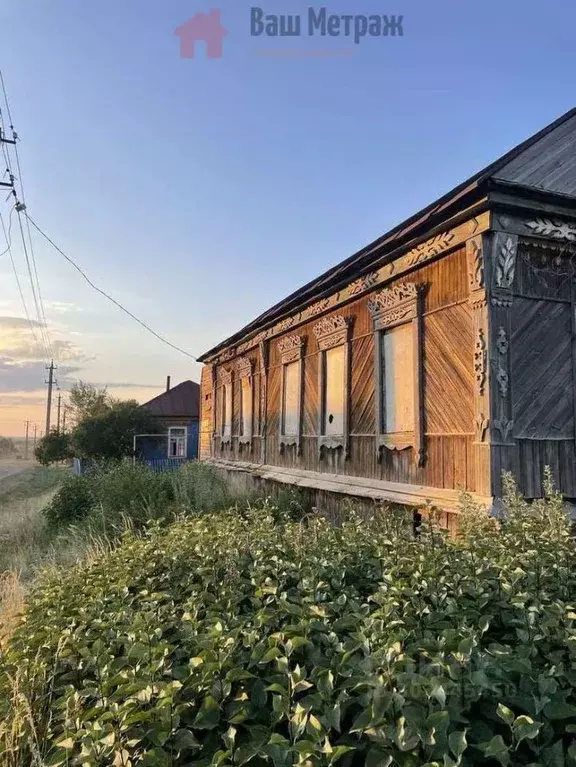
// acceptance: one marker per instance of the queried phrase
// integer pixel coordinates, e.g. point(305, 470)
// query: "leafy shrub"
point(72, 502)
point(52, 448)
point(199, 487)
point(132, 490)
point(228, 639)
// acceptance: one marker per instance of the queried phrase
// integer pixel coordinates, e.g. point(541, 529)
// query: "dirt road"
point(7, 468)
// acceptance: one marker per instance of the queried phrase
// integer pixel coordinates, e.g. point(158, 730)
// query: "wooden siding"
point(448, 378)
point(542, 373)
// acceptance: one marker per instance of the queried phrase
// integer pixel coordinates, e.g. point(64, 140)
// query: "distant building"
point(177, 410)
point(432, 359)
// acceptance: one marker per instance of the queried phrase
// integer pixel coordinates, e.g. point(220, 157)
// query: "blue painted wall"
point(154, 449)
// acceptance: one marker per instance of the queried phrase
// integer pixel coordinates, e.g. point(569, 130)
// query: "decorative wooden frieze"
point(394, 305)
point(244, 367)
point(480, 362)
point(481, 424)
point(363, 284)
point(431, 248)
point(291, 348)
point(426, 251)
point(318, 307)
point(224, 376)
point(553, 227)
point(331, 331)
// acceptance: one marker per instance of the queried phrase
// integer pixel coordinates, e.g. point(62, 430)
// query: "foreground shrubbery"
point(235, 638)
point(123, 490)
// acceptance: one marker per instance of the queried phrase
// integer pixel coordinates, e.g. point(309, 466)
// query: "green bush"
point(132, 490)
point(231, 639)
point(72, 502)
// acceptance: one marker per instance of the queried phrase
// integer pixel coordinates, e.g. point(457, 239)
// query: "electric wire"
point(105, 294)
point(17, 278)
point(28, 249)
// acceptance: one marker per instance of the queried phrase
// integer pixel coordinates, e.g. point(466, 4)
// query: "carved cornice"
point(553, 227)
point(394, 305)
point(331, 331)
point(431, 248)
point(291, 348)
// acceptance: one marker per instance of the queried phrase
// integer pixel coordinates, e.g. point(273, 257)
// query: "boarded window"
point(290, 398)
point(334, 391)
point(246, 408)
point(398, 379)
point(227, 410)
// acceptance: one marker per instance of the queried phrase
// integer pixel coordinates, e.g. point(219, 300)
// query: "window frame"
point(291, 350)
point(330, 332)
point(225, 381)
point(390, 308)
point(185, 438)
point(245, 372)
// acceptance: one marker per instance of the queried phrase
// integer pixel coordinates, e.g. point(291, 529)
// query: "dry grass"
point(11, 604)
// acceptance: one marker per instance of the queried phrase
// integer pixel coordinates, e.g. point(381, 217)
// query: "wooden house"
point(434, 358)
point(177, 411)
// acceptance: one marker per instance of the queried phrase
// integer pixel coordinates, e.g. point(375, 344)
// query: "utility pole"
point(64, 419)
point(35, 432)
point(50, 383)
point(26, 444)
point(59, 410)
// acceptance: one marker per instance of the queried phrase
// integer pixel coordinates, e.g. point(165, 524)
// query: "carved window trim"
point(225, 380)
point(291, 349)
point(245, 370)
point(330, 332)
point(391, 307)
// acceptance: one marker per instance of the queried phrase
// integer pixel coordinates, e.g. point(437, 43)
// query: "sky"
point(200, 191)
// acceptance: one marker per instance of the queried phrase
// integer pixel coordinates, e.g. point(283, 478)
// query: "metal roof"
point(515, 166)
point(181, 400)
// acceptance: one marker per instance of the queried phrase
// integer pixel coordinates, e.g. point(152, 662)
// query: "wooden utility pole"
point(26, 443)
point(35, 433)
point(64, 419)
point(59, 410)
point(50, 383)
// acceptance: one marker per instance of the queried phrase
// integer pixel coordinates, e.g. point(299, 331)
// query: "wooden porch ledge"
point(356, 487)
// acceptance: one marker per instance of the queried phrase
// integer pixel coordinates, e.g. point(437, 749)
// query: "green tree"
point(53, 447)
point(88, 401)
point(110, 436)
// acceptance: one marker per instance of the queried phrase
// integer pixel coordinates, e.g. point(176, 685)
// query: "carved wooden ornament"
point(331, 331)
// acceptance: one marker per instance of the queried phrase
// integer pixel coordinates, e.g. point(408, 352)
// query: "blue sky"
point(199, 192)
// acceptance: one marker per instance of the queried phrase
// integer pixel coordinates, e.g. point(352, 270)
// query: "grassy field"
point(24, 543)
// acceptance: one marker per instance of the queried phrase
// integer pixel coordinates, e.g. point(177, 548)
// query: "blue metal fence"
point(166, 464)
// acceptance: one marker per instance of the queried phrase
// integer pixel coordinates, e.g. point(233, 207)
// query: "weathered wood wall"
point(448, 390)
point(542, 365)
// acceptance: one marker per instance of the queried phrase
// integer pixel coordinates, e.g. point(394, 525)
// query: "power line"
point(8, 235)
point(106, 295)
point(18, 283)
point(28, 251)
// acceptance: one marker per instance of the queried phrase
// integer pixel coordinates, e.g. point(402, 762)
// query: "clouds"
point(21, 339)
point(28, 376)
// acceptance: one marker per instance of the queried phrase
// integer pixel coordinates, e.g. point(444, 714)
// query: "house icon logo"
point(203, 27)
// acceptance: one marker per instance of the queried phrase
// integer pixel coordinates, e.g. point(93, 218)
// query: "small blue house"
point(178, 412)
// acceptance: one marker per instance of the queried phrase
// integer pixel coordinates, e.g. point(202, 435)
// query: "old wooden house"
point(429, 361)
